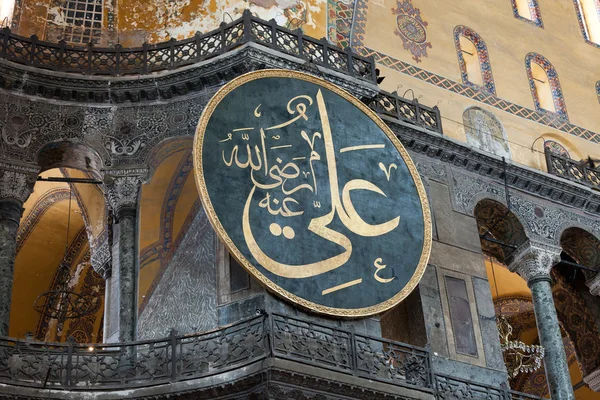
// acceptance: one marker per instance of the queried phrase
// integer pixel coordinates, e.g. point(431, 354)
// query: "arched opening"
point(54, 256)
point(473, 59)
point(588, 14)
point(484, 131)
point(545, 86)
point(527, 10)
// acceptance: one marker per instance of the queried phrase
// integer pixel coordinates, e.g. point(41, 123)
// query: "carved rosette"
point(123, 192)
point(533, 260)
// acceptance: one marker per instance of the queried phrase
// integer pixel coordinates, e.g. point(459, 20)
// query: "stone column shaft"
point(15, 188)
point(533, 261)
point(128, 274)
point(10, 215)
point(123, 194)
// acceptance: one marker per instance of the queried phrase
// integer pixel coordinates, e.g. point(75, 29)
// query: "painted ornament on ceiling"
point(411, 29)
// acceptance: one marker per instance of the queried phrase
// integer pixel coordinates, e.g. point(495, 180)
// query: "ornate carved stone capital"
point(16, 184)
point(123, 189)
point(593, 380)
point(533, 260)
point(594, 285)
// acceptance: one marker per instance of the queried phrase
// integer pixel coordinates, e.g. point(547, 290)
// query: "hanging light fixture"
point(518, 356)
point(61, 302)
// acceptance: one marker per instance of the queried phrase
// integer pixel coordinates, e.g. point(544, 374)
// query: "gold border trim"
point(208, 207)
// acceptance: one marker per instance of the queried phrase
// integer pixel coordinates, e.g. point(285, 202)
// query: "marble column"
point(533, 261)
point(123, 194)
point(15, 188)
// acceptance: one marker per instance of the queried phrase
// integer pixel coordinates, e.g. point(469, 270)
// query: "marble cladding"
point(185, 298)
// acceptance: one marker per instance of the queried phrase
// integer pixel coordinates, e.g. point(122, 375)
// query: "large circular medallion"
point(312, 193)
point(411, 28)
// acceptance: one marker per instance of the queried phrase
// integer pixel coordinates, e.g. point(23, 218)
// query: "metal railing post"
point(61, 53)
point(118, 48)
point(438, 119)
point(223, 38)
point(273, 25)
point(69, 366)
point(247, 21)
point(171, 53)
point(353, 355)
point(173, 336)
point(145, 58)
point(6, 33)
point(417, 112)
point(197, 38)
point(34, 40)
point(90, 57)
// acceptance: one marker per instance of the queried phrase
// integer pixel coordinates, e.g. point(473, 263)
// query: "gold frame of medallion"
point(271, 286)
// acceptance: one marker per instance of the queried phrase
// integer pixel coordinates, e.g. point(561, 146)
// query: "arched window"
point(556, 148)
point(544, 85)
point(83, 21)
point(485, 132)
point(588, 14)
point(598, 90)
point(473, 59)
point(528, 10)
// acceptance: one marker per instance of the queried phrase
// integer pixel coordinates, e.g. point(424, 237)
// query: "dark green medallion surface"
point(312, 193)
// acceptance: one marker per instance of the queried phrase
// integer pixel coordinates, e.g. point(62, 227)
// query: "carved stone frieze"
point(533, 260)
point(541, 221)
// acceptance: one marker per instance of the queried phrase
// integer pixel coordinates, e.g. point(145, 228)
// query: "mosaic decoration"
point(582, 22)
point(482, 54)
point(559, 102)
point(484, 131)
point(411, 29)
point(578, 322)
point(534, 10)
point(556, 148)
point(339, 22)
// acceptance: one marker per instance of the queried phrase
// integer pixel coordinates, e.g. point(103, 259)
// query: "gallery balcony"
point(576, 171)
point(148, 60)
point(206, 363)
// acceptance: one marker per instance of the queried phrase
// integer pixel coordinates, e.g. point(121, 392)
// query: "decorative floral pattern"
point(482, 54)
point(534, 10)
point(339, 20)
point(557, 95)
point(411, 29)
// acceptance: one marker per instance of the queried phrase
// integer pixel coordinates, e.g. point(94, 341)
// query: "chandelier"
point(61, 302)
point(518, 356)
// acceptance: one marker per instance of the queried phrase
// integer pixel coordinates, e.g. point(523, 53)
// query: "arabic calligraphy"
point(280, 179)
point(291, 178)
